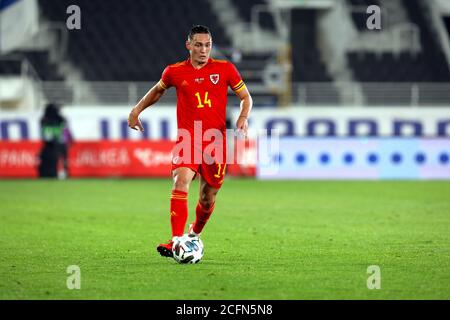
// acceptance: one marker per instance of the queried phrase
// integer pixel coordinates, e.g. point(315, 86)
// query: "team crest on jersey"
point(214, 78)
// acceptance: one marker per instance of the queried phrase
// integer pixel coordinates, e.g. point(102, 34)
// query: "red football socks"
point(202, 216)
point(178, 212)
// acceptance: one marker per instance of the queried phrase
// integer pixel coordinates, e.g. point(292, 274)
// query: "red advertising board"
point(19, 159)
point(120, 158)
point(106, 159)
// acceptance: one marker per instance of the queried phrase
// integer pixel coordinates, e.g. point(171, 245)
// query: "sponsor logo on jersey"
point(199, 80)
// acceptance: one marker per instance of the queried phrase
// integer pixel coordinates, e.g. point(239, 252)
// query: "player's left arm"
point(245, 106)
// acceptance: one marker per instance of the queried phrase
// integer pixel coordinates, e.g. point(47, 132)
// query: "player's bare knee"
point(181, 183)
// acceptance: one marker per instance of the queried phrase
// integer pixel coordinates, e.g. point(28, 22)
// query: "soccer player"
point(201, 84)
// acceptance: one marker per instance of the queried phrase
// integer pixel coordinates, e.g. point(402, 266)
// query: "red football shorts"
point(212, 171)
point(213, 174)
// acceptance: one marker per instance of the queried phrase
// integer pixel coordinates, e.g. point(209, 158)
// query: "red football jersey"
point(202, 93)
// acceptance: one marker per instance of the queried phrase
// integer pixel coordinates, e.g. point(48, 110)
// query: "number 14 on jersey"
point(205, 101)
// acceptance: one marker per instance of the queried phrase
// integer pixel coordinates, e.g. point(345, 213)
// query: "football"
point(188, 249)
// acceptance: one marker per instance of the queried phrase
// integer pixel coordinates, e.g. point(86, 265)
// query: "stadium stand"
point(306, 58)
point(447, 25)
point(428, 65)
point(251, 64)
point(117, 42)
point(359, 15)
point(266, 21)
point(431, 48)
point(10, 67)
point(108, 51)
point(389, 67)
point(40, 61)
point(46, 69)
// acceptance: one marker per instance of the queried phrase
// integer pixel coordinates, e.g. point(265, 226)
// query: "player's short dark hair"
point(198, 29)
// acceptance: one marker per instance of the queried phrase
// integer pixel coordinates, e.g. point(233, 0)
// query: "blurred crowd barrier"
point(305, 143)
point(18, 94)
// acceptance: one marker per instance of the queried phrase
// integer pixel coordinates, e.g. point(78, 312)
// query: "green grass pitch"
point(266, 240)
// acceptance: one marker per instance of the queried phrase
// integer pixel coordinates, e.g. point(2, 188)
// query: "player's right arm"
point(150, 98)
